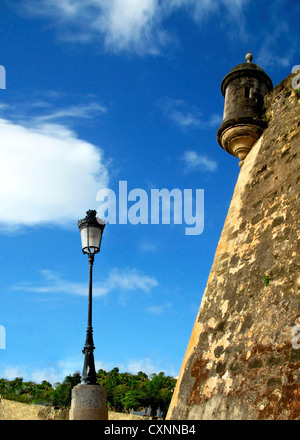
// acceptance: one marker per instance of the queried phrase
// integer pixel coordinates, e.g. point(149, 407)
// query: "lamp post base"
point(88, 403)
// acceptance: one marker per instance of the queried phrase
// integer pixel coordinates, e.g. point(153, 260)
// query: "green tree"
point(135, 399)
point(119, 393)
point(61, 395)
point(161, 388)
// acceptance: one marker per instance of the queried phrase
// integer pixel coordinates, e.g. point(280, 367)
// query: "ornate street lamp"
point(91, 230)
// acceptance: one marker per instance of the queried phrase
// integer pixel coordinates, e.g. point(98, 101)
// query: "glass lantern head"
point(91, 230)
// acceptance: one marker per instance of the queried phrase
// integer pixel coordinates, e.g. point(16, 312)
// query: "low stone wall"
point(112, 415)
point(11, 410)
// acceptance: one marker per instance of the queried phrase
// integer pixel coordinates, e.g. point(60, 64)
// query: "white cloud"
point(117, 280)
point(67, 367)
point(49, 374)
point(145, 365)
point(47, 174)
point(129, 25)
point(148, 365)
point(63, 368)
point(194, 161)
point(11, 372)
point(55, 373)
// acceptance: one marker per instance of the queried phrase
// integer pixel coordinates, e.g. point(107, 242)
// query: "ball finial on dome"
point(249, 57)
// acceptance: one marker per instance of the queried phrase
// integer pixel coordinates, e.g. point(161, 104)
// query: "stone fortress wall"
point(241, 362)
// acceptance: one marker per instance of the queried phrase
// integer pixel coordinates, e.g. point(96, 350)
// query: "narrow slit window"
point(247, 92)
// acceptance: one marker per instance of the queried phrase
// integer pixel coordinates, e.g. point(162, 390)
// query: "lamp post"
point(89, 399)
point(91, 230)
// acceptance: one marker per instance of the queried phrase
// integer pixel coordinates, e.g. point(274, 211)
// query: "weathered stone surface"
point(240, 362)
point(88, 403)
point(11, 410)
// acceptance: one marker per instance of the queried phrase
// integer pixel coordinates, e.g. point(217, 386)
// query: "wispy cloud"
point(129, 25)
point(158, 310)
point(147, 246)
point(47, 106)
point(147, 365)
point(118, 280)
point(130, 280)
point(53, 374)
point(39, 169)
point(233, 10)
point(67, 367)
point(187, 116)
point(60, 369)
point(3, 106)
point(73, 112)
point(195, 161)
point(269, 55)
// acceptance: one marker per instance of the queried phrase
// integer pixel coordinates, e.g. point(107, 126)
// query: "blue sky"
point(103, 91)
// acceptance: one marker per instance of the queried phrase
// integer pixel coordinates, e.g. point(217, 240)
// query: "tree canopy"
point(125, 391)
